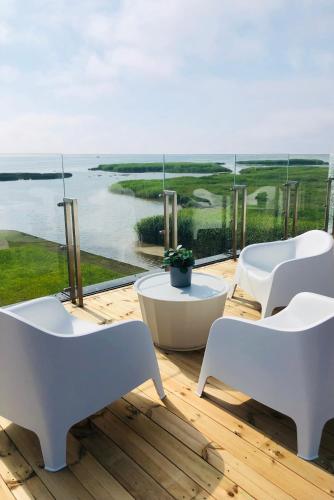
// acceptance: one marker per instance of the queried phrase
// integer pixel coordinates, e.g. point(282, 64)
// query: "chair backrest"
point(313, 243)
point(46, 313)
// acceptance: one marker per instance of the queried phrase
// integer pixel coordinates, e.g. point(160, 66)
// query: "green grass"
point(32, 267)
point(170, 167)
point(291, 161)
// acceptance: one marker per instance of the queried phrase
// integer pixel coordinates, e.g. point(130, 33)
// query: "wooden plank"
point(252, 435)
point(259, 455)
point(279, 427)
point(132, 477)
point(18, 475)
point(178, 484)
point(62, 484)
point(219, 485)
point(91, 474)
point(272, 463)
point(238, 472)
point(268, 468)
point(5, 493)
point(37, 489)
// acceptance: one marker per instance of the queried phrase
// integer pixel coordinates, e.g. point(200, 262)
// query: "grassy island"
point(30, 176)
point(205, 213)
point(291, 161)
point(170, 167)
point(33, 267)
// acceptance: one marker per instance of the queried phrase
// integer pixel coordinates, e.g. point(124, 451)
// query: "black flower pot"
point(180, 279)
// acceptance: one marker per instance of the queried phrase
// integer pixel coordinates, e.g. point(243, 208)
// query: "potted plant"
point(180, 261)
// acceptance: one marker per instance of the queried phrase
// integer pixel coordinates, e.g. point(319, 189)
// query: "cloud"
point(156, 75)
point(8, 74)
point(26, 132)
point(5, 33)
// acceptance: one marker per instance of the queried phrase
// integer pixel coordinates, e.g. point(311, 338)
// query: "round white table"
point(180, 318)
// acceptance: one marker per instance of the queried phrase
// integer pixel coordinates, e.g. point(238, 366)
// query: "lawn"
point(32, 267)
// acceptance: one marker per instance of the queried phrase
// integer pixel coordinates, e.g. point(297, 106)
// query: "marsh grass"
point(170, 167)
point(207, 229)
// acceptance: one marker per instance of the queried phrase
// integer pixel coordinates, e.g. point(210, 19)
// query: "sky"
point(167, 76)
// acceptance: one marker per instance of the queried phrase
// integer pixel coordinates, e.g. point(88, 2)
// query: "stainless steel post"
point(287, 186)
point(70, 206)
point(166, 221)
point(69, 250)
point(235, 223)
point(243, 217)
point(166, 195)
point(295, 209)
point(287, 202)
point(174, 219)
point(77, 256)
point(328, 202)
point(235, 210)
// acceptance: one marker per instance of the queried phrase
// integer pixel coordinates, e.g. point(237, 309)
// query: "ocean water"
point(106, 219)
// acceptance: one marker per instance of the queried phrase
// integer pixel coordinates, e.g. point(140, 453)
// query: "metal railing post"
point(174, 219)
point(235, 223)
point(166, 195)
point(236, 188)
point(70, 206)
point(77, 257)
point(69, 250)
point(286, 209)
point(295, 209)
point(166, 221)
point(288, 185)
point(243, 217)
point(328, 202)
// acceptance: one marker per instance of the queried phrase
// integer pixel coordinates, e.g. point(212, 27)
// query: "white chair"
point(285, 361)
point(274, 272)
point(56, 370)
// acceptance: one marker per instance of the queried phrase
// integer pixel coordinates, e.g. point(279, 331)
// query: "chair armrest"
point(263, 361)
point(305, 310)
point(313, 274)
point(268, 255)
point(78, 375)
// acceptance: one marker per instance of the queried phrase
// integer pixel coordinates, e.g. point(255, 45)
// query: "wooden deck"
point(223, 445)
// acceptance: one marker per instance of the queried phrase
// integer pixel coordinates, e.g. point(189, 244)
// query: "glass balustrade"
point(120, 207)
point(204, 189)
point(308, 175)
point(265, 177)
point(121, 217)
point(32, 252)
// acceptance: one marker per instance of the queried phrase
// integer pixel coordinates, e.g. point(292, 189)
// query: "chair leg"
point(309, 437)
point(159, 387)
point(231, 293)
point(53, 447)
point(201, 383)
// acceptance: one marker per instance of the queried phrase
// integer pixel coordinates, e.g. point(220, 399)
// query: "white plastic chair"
point(56, 370)
point(274, 272)
point(285, 361)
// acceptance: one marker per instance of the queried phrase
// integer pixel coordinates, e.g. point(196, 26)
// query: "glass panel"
point(203, 184)
point(32, 255)
point(311, 174)
point(120, 213)
point(265, 176)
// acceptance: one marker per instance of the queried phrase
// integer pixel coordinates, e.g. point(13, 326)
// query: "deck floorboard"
point(223, 445)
